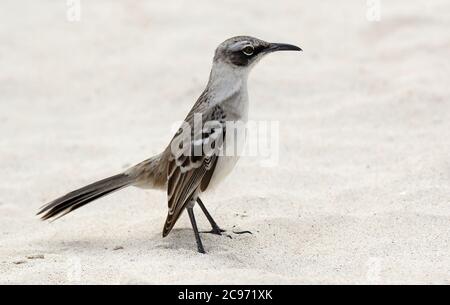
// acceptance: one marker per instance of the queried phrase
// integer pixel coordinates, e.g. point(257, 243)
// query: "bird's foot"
point(200, 249)
point(216, 231)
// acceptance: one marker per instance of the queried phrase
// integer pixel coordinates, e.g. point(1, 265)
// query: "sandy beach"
point(360, 192)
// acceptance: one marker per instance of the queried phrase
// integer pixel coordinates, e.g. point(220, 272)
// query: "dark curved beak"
point(274, 47)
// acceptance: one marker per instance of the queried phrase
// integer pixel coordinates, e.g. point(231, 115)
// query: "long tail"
point(73, 200)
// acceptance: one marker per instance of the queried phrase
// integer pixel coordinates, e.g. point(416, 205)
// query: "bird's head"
point(243, 52)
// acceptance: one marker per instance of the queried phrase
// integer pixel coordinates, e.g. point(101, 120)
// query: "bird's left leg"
point(194, 227)
point(215, 228)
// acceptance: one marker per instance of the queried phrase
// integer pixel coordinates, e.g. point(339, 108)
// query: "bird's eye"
point(248, 50)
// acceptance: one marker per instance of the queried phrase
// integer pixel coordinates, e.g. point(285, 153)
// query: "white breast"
point(228, 88)
point(236, 110)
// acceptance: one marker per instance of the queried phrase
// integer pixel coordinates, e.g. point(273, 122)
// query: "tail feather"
point(78, 198)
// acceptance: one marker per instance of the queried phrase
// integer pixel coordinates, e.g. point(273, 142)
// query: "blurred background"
point(361, 191)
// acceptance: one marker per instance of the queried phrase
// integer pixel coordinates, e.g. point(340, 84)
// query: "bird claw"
point(242, 232)
point(216, 231)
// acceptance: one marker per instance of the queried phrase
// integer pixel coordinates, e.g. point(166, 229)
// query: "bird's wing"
point(191, 167)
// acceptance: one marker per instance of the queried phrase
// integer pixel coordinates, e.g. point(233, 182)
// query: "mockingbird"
point(185, 169)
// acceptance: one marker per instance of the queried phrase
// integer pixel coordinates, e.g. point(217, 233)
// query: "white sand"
point(361, 193)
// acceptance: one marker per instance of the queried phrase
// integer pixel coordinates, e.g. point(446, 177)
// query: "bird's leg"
point(194, 227)
point(215, 228)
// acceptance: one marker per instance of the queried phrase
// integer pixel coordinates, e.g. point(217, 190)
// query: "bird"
point(185, 169)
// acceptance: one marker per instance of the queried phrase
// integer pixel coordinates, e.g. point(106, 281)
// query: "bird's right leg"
point(215, 228)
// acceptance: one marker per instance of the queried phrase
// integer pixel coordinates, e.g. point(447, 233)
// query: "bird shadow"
point(180, 239)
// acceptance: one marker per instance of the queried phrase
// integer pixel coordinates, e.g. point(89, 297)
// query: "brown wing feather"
point(184, 187)
point(182, 192)
point(207, 177)
point(187, 174)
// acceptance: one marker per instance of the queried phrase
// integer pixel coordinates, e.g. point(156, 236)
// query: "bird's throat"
point(225, 81)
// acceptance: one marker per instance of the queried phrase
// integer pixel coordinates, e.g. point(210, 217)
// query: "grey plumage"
point(185, 175)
